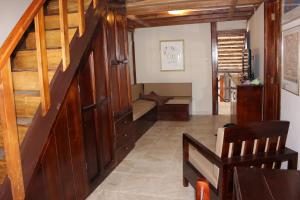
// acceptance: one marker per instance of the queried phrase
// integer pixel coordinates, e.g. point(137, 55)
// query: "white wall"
point(290, 111)
point(11, 11)
point(197, 49)
point(231, 25)
point(256, 28)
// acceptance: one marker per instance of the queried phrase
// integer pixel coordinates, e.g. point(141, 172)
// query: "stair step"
point(22, 130)
point(52, 38)
point(28, 80)
point(52, 7)
point(52, 21)
point(27, 59)
point(2, 166)
point(24, 121)
point(26, 105)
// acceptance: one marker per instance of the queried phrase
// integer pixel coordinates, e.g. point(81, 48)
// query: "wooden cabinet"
point(125, 136)
point(248, 104)
point(120, 82)
point(118, 61)
point(96, 110)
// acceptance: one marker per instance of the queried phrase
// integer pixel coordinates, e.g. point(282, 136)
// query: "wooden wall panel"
point(214, 58)
point(76, 143)
point(61, 173)
point(51, 171)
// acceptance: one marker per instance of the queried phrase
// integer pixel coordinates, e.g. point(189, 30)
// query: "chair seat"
point(141, 107)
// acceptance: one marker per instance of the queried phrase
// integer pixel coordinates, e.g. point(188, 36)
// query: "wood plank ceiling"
point(149, 13)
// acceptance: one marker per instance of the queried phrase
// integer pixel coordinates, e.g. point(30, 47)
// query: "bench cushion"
point(141, 107)
point(180, 100)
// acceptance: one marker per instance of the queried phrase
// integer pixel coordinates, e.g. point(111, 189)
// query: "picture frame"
point(291, 57)
point(290, 10)
point(172, 55)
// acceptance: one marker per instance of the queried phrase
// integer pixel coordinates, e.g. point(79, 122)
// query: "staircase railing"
point(35, 12)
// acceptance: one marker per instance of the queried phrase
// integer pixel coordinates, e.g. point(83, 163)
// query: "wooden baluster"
point(64, 31)
point(81, 17)
point(41, 48)
point(95, 3)
point(10, 134)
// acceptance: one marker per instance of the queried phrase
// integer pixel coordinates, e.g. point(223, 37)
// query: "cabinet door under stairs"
point(96, 111)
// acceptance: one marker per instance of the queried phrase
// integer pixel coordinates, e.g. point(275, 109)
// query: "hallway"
point(153, 170)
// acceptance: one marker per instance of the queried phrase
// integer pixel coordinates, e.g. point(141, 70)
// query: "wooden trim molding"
point(133, 57)
point(272, 63)
point(214, 62)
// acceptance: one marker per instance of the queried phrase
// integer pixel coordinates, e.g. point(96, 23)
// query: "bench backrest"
point(260, 137)
point(169, 89)
point(136, 91)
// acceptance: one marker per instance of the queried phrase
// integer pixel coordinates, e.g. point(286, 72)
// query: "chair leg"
point(292, 163)
point(185, 182)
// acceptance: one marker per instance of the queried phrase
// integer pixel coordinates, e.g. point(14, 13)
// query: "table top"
point(264, 184)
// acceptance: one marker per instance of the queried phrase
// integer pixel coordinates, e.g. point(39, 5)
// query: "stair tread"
point(24, 121)
point(52, 21)
point(27, 92)
point(52, 7)
point(27, 59)
point(53, 38)
point(2, 155)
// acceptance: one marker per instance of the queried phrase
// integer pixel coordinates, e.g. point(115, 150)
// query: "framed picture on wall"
point(172, 55)
point(291, 58)
point(290, 10)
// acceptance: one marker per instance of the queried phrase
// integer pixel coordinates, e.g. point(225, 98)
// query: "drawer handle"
point(125, 135)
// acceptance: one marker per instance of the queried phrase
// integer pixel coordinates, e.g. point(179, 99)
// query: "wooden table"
point(260, 184)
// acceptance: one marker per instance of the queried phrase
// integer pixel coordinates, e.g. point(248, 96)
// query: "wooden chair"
point(202, 190)
point(260, 144)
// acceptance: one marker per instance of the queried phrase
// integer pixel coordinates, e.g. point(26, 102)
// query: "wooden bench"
point(144, 111)
point(177, 108)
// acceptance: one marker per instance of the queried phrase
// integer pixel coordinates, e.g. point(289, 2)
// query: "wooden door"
point(90, 118)
point(104, 110)
point(119, 73)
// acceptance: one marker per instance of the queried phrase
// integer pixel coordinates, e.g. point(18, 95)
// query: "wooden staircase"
point(24, 67)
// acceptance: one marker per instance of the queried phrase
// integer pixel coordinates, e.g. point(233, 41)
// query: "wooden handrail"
point(18, 31)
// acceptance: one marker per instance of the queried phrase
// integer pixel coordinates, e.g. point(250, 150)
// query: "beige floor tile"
point(153, 169)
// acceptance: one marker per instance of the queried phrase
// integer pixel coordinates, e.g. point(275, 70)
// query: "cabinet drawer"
point(124, 124)
point(123, 151)
point(125, 138)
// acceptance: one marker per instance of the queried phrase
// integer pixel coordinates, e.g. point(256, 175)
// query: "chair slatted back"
point(255, 138)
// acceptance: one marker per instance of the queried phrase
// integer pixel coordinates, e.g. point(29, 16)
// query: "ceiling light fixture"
point(176, 12)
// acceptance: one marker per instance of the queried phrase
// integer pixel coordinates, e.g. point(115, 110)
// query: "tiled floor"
point(153, 170)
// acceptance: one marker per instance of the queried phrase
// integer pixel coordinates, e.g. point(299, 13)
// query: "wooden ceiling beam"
point(190, 13)
point(155, 6)
point(189, 20)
